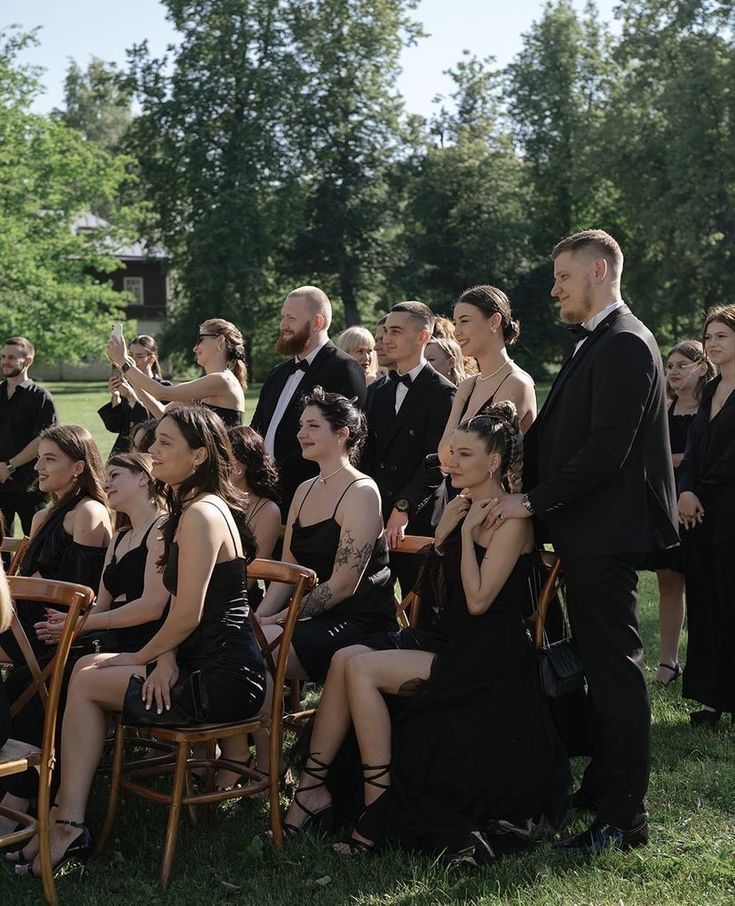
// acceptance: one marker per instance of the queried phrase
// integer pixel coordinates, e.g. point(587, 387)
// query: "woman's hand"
point(691, 511)
point(454, 512)
point(477, 514)
point(49, 630)
point(273, 620)
point(127, 392)
point(117, 351)
point(156, 690)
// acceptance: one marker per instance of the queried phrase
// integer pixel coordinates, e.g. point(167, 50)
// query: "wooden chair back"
point(407, 610)
point(76, 600)
point(17, 548)
point(549, 592)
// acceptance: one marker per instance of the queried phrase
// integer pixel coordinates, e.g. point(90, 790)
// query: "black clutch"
point(189, 704)
point(560, 668)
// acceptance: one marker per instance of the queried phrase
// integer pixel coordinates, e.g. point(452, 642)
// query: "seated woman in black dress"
point(68, 539)
point(207, 546)
point(219, 350)
point(473, 764)
point(707, 513)
point(334, 527)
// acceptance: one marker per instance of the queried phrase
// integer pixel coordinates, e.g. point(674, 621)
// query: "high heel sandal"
point(323, 819)
point(21, 858)
point(79, 850)
point(355, 847)
point(676, 672)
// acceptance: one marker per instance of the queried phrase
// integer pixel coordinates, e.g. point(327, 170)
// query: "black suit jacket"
point(333, 370)
point(397, 444)
point(598, 458)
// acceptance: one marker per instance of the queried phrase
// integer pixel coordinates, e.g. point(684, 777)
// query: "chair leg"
point(44, 841)
point(174, 814)
point(191, 810)
point(210, 775)
point(114, 795)
point(274, 787)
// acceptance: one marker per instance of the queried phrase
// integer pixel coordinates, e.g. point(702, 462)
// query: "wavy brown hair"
point(694, 351)
point(261, 473)
point(500, 429)
point(77, 443)
point(202, 428)
point(141, 464)
point(151, 347)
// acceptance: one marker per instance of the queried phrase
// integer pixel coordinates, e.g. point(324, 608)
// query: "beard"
point(12, 371)
point(294, 345)
point(582, 309)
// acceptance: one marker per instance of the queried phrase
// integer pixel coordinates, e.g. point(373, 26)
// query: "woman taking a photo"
point(473, 762)
point(125, 409)
point(484, 328)
point(220, 351)
point(206, 548)
point(707, 513)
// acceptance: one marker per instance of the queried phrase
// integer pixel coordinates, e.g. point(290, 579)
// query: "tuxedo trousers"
point(602, 599)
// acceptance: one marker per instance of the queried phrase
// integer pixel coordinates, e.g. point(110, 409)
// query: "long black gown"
point(708, 470)
point(477, 768)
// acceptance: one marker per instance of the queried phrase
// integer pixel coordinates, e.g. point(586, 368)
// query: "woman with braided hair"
point(219, 350)
point(471, 765)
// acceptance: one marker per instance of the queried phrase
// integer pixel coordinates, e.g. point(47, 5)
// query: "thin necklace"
point(331, 475)
point(486, 377)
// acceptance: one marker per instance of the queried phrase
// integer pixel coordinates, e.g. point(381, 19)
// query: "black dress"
point(371, 608)
point(708, 470)
point(124, 580)
point(672, 557)
point(477, 768)
point(231, 417)
point(121, 420)
point(53, 554)
point(223, 645)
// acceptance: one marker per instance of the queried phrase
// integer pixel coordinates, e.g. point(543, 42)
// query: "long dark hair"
point(694, 351)
point(500, 429)
point(78, 444)
point(151, 347)
point(141, 464)
point(260, 470)
point(201, 427)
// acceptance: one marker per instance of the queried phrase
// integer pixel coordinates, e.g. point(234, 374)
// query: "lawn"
point(691, 858)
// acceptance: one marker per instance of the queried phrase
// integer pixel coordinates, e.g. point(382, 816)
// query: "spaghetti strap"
point(298, 515)
point(362, 477)
point(119, 538)
point(492, 398)
point(238, 548)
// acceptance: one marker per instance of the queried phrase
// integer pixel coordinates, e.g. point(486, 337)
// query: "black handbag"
point(189, 704)
point(560, 668)
point(107, 641)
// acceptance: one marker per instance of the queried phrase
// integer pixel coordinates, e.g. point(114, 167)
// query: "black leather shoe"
point(599, 836)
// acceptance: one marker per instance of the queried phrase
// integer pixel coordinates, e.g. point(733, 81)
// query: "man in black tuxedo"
point(600, 484)
point(314, 360)
point(406, 419)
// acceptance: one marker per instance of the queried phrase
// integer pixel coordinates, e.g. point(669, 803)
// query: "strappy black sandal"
point(676, 672)
point(354, 846)
point(79, 850)
point(324, 818)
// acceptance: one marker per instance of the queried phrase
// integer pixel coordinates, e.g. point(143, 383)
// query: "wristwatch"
point(528, 505)
point(10, 467)
point(125, 367)
point(402, 505)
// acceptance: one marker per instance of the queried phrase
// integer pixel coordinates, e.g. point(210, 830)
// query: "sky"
point(80, 29)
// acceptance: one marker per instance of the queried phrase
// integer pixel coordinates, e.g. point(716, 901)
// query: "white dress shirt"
point(595, 320)
point(289, 388)
point(402, 389)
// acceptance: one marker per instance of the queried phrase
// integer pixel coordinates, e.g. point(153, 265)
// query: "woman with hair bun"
point(472, 764)
point(219, 350)
point(484, 328)
point(334, 527)
point(445, 356)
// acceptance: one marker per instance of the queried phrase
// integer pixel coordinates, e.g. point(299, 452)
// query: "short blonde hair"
point(599, 242)
point(318, 301)
point(354, 338)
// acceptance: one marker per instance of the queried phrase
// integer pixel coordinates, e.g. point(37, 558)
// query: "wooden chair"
point(17, 548)
point(15, 756)
point(129, 776)
point(407, 610)
point(549, 592)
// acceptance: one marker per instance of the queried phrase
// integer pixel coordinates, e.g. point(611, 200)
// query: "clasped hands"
point(489, 512)
point(691, 511)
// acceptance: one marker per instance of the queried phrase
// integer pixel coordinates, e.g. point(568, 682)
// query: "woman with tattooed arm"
point(334, 527)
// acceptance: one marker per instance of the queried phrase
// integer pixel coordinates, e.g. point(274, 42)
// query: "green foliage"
point(97, 102)
point(48, 177)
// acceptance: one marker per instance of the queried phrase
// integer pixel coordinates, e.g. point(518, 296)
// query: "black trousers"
point(603, 607)
point(24, 504)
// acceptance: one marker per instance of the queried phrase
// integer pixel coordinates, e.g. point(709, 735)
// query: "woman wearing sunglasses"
point(219, 350)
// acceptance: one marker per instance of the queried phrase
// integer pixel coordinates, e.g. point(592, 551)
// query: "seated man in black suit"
point(600, 483)
point(314, 360)
point(406, 419)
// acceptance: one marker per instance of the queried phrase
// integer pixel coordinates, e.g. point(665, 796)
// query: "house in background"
point(144, 275)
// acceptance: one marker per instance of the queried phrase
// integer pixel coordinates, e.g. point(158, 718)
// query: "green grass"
point(691, 858)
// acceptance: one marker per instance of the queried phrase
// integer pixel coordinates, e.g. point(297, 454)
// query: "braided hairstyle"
point(499, 427)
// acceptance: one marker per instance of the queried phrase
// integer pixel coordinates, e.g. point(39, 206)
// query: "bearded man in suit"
point(600, 485)
point(314, 360)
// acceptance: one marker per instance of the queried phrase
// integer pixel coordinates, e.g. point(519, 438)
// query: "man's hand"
point(507, 507)
point(395, 528)
point(691, 511)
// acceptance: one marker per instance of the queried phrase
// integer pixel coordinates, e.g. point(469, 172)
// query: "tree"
point(50, 176)
point(97, 102)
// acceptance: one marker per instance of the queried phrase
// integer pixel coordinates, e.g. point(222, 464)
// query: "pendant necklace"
point(331, 475)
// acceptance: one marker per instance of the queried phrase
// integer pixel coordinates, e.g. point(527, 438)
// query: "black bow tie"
point(400, 378)
point(301, 365)
point(578, 331)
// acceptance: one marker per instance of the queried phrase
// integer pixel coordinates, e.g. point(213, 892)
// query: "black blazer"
point(333, 370)
point(598, 459)
point(397, 445)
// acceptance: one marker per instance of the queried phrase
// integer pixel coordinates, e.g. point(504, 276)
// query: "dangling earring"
point(491, 473)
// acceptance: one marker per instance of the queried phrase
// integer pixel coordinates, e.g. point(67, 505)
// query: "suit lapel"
point(415, 394)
